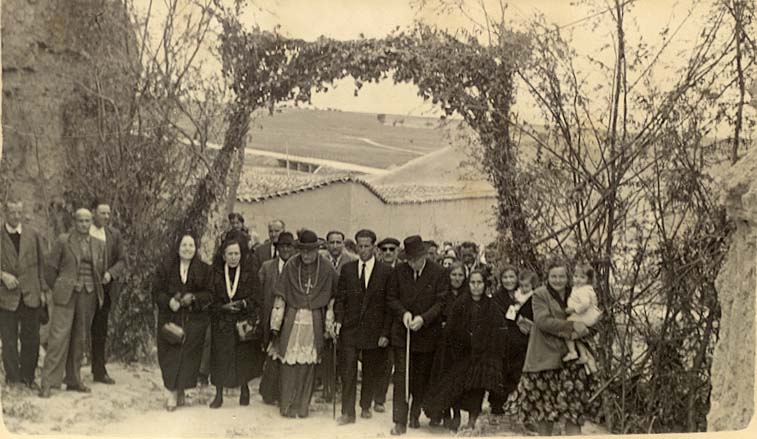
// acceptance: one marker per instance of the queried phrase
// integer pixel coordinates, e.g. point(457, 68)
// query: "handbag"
point(249, 329)
point(172, 333)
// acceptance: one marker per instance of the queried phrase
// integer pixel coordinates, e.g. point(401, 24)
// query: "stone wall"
point(49, 48)
point(733, 368)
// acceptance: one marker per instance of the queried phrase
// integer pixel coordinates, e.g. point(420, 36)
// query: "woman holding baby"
point(555, 387)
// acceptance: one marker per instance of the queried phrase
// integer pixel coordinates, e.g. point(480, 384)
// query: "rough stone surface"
point(733, 368)
point(48, 48)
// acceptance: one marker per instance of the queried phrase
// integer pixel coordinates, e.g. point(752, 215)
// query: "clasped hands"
point(178, 300)
point(414, 323)
point(234, 306)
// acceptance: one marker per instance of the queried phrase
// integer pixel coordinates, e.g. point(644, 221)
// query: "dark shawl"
point(472, 352)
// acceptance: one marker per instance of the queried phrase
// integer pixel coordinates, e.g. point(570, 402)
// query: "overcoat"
point(180, 364)
point(425, 296)
point(233, 362)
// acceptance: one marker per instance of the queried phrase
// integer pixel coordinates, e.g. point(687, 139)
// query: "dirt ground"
point(134, 407)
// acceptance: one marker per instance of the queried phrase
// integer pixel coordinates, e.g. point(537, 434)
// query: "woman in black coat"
point(473, 357)
point(458, 289)
point(515, 307)
point(236, 297)
point(181, 294)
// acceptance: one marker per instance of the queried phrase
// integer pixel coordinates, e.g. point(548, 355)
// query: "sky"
point(348, 19)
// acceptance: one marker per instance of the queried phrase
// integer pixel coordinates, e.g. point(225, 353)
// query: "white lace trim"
point(301, 346)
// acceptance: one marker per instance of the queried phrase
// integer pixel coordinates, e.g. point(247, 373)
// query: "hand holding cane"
point(333, 401)
point(407, 370)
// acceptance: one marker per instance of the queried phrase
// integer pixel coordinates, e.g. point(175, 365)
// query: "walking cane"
point(333, 400)
point(407, 371)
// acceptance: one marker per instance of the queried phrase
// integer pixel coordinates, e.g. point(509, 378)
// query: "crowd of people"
point(446, 325)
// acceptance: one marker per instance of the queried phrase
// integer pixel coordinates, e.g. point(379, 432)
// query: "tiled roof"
point(259, 184)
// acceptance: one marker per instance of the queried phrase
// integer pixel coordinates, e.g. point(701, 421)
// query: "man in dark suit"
point(388, 249)
point(22, 293)
point(115, 266)
point(267, 250)
point(362, 325)
point(269, 276)
point(76, 269)
point(416, 294)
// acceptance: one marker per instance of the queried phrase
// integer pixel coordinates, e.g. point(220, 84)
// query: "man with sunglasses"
point(389, 250)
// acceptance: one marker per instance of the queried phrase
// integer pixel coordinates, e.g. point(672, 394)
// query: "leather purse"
point(172, 333)
point(249, 329)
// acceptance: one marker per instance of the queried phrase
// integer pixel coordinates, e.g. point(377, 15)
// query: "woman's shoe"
point(218, 400)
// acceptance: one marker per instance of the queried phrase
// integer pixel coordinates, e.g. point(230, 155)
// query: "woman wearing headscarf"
point(550, 390)
point(180, 290)
point(458, 288)
point(234, 359)
point(472, 358)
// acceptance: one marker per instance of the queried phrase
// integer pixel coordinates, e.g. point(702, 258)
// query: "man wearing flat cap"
point(416, 294)
point(389, 248)
point(302, 312)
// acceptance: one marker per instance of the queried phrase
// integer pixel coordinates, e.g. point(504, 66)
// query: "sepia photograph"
point(368, 219)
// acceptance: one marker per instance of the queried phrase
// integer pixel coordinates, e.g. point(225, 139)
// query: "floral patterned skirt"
point(555, 395)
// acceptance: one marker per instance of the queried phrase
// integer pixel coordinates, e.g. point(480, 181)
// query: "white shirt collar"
point(97, 232)
point(281, 264)
point(368, 268)
point(421, 270)
point(16, 229)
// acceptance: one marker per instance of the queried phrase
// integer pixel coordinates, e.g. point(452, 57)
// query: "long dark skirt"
point(270, 382)
point(180, 364)
point(297, 382)
point(233, 363)
point(555, 395)
point(470, 401)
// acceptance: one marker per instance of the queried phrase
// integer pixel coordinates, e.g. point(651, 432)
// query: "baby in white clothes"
point(582, 307)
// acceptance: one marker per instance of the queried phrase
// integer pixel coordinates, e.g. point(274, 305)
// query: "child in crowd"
point(526, 283)
point(582, 307)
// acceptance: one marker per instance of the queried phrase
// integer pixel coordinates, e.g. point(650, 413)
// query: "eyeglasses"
point(388, 249)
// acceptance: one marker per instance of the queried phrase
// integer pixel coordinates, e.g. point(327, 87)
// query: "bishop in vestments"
point(302, 312)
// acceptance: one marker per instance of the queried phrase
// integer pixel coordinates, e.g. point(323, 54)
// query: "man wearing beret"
point(415, 295)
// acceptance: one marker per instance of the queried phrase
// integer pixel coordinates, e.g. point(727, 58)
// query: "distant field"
point(357, 138)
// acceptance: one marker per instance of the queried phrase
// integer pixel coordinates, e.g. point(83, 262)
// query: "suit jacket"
point(363, 315)
point(115, 263)
point(263, 253)
point(546, 343)
point(425, 297)
point(269, 277)
point(344, 259)
point(64, 267)
point(27, 265)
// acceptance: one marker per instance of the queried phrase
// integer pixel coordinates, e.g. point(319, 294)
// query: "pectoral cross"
point(308, 285)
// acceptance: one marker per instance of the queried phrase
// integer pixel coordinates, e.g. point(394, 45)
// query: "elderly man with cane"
point(415, 294)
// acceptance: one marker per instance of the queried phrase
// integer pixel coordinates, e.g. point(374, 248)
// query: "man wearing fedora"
point(269, 275)
point(302, 312)
point(416, 294)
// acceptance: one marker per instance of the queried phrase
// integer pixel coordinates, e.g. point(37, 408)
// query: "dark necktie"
point(362, 276)
point(275, 252)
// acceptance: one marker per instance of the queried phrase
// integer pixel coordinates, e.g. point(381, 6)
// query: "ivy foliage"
point(454, 71)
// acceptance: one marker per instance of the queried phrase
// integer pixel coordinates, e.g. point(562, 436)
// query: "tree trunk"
point(206, 217)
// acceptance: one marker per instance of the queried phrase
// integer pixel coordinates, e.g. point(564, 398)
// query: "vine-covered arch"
point(458, 74)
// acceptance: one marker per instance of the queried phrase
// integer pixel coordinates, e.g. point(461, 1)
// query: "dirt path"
point(134, 407)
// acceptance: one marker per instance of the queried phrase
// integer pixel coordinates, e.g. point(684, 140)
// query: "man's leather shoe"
point(78, 388)
point(366, 414)
point(379, 408)
point(415, 423)
point(344, 420)
point(105, 379)
point(44, 392)
point(32, 385)
point(398, 429)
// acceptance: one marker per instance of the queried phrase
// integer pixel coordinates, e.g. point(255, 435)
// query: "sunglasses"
point(388, 249)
